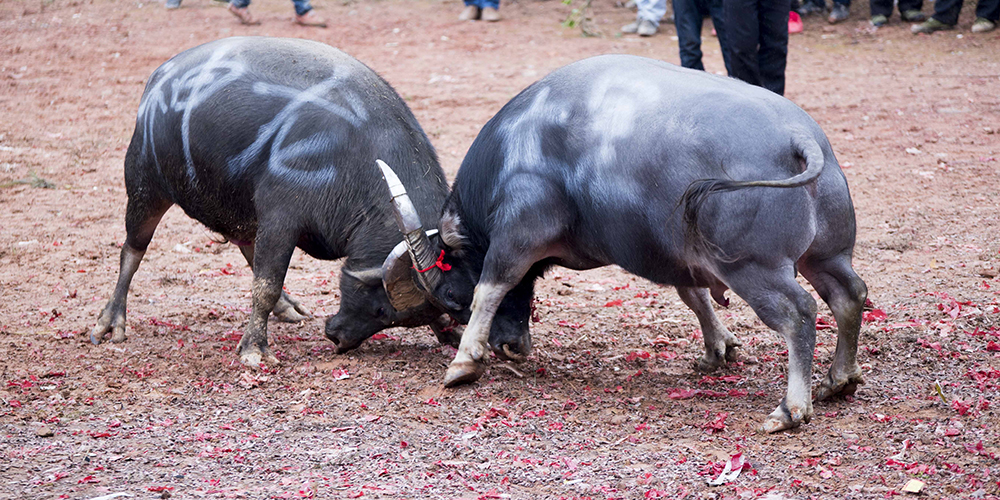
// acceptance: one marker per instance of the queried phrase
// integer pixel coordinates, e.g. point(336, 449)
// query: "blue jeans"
point(301, 6)
point(651, 10)
point(688, 17)
point(482, 4)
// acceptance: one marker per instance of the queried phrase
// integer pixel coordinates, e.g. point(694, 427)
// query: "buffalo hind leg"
point(787, 308)
point(286, 309)
point(141, 218)
point(844, 291)
point(720, 343)
point(269, 269)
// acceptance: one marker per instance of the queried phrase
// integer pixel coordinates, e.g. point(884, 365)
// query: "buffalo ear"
point(451, 230)
point(369, 277)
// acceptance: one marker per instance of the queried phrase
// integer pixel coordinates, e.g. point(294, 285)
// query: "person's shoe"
point(810, 8)
point(983, 25)
point(490, 15)
point(794, 23)
point(647, 28)
point(930, 26)
point(838, 13)
point(879, 20)
point(173, 4)
point(471, 13)
point(243, 15)
point(632, 27)
point(310, 19)
point(913, 16)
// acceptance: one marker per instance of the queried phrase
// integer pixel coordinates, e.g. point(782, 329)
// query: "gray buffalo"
point(271, 143)
point(682, 177)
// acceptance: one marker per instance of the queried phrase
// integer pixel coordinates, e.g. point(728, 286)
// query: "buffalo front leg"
point(141, 217)
point(286, 309)
point(269, 269)
point(468, 364)
point(720, 343)
point(112, 318)
point(844, 291)
point(787, 308)
point(447, 330)
point(505, 266)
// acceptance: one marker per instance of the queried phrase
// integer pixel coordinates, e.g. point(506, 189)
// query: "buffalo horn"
point(418, 245)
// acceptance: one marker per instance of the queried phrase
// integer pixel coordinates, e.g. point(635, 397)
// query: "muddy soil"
point(608, 406)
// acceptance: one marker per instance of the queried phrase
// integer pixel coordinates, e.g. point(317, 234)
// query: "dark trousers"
point(822, 3)
point(947, 11)
point(884, 7)
point(758, 41)
point(688, 17)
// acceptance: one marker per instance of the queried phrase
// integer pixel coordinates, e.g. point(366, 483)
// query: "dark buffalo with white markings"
point(272, 143)
point(683, 177)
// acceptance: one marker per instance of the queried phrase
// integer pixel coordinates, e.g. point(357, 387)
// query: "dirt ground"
point(608, 406)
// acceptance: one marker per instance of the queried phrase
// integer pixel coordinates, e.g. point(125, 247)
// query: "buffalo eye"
point(380, 312)
point(450, 294)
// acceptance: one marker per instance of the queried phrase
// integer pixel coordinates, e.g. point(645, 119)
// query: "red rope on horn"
point(439, 263)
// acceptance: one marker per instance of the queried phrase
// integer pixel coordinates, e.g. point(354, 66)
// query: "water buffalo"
point(271, 143)
point(679, 176)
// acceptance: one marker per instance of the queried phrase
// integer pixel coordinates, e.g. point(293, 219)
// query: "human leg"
point(721, 30)
point(989, 10)
point(773, 53)
point(910, 10)
point(743, 31)
point(239, 9)
point(490, 10)
point(810, 7)
point(471, 12)
point(947, 11)
point(688, 20)
point(648, 17)
point(841, 11)
point(882, 8)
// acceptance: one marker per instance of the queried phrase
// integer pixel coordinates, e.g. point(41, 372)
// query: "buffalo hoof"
point(708, 364)
point(847, 387)
point(463, 372)
point(506, 354)
point(108, 323)
point(784, 418)
point(517, 350)
point(447, 331)
point(290, 310)
point(253, 357)
point(720, 354)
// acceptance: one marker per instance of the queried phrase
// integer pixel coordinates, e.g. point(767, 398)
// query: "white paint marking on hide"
point(187, 91)
point(276, 131)
point(615, 102)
